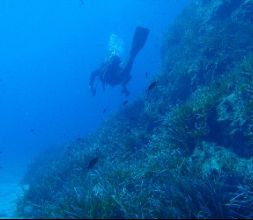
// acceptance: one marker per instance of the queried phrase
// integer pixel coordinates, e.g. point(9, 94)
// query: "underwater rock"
point(183, 152)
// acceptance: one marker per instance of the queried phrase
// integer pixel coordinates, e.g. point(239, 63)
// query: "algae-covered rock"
point(183, 151)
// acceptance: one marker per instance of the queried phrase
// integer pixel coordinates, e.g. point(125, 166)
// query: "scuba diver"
point(112, 72)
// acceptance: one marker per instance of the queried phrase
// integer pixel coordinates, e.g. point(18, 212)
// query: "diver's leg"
point(139, 40)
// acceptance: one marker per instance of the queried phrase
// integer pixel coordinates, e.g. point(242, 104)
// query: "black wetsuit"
point(113, 72)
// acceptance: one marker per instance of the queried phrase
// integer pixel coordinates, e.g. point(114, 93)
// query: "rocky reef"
point(183, 150)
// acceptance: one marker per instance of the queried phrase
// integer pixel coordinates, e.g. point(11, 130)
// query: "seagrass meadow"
point(182, 150)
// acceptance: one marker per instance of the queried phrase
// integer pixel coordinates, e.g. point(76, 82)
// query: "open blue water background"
point(47, 51)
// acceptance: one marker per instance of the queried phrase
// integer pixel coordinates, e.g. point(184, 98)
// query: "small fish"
point(32, 130)
point(125, 102)
point(1, 167)
point(146, 75)
point(152, 86)
point(104, 111)
point(92, 163)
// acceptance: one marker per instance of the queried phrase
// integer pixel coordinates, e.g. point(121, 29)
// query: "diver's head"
point(114, 60)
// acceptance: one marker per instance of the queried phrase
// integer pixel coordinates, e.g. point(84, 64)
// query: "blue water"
point(47, 51)
point(188, 147)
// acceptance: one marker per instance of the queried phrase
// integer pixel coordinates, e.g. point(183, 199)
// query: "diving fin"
point(139, 40)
